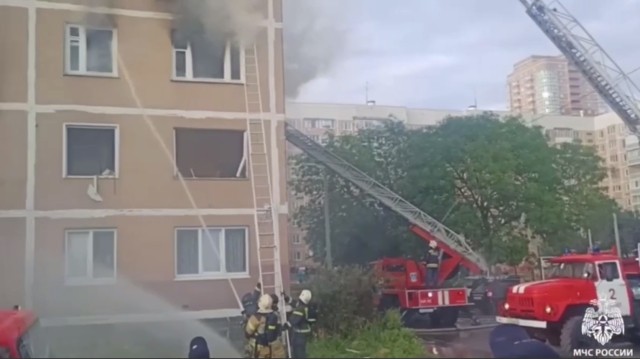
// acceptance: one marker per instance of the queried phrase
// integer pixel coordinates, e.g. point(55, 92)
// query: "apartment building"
point(608, 135)
point(102, 111)
point(551, 85)
point(633, 163)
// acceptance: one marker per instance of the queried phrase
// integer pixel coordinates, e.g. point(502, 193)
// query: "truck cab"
point(554, 307)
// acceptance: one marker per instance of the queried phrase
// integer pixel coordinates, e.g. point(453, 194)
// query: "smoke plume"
point(315, 38)
point(236, 19)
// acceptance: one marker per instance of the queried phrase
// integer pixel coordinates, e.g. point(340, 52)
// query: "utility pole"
point(590, 240)
point(327, 224)
point(616, 234)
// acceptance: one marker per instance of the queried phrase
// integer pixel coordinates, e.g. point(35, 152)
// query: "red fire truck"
point(553, 309)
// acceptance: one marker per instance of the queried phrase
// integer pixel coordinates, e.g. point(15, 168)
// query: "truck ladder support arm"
point(615, 87)
point(442, 234)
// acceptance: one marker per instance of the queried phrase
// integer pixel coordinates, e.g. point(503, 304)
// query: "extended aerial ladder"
point(459, 253)
point(616, 88)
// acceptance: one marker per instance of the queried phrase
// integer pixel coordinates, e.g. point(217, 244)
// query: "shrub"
point(384, 337)
point(345, 299)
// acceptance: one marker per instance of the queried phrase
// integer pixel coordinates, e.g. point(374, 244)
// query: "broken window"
point(206, 153)
point(200, 57)
point(90, 51)
point(90, 150)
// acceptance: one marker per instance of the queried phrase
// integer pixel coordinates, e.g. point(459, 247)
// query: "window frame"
point(82, 51)
point(227, 65)
point(90, 280)
point(201, 275)
point(116, 149)
point(244, 163)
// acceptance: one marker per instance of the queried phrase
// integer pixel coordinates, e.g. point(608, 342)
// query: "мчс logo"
point(604, 322)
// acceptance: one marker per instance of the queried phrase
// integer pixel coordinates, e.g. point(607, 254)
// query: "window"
point(608, 269)
point(296, 239)
point(298, 256)
point(90, 150)
point(206, 153)
point(211, 252)
point(90, 51)
point(90, 256)
point(201, 58)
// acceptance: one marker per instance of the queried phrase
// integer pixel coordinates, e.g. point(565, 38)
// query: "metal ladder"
point(383, 194)
point(267, 244)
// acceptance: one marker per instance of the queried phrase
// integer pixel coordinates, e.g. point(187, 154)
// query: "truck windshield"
point(571, 270)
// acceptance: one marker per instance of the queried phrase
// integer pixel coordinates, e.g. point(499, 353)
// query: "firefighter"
point(263, 331)
point(432, 260)
point(198, 348)
point(302, 317)
point(250, 303)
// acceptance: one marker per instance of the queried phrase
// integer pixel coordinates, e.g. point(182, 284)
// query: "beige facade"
point(551, 85)
point(100, 109)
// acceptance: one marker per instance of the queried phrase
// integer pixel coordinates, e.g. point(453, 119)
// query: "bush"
point(345, 299)
point(384, 337)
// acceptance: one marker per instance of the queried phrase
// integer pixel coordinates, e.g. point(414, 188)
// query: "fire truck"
point(553, 309)
point(21, 335)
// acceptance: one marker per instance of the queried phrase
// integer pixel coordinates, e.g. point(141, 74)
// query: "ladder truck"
point(403, 279)
point(554, 309)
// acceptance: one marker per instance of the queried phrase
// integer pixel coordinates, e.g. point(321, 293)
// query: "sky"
point(433, 53)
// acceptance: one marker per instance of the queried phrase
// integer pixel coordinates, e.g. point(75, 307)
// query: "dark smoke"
point(232, 19)
point(315, 38)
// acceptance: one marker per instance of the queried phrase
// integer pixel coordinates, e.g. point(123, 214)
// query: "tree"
point(496, 181)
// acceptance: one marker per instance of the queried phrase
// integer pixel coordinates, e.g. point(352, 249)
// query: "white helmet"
point(433, 244)
point(265, 302)
point(305, 296)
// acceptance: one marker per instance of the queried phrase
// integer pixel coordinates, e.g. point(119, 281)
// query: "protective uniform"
point(263, 331)
point(302, 317)
point(432, 259)
point(250, 303)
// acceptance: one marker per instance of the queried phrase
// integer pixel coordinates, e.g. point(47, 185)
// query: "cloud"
point(439, 53)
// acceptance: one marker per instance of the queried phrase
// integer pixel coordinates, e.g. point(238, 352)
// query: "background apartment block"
point(90, 197)
point(551, 85)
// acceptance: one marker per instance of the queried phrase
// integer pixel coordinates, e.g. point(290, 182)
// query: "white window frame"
point(189, 65)
point(116, 145)
point(297, 256)
point(201, 275)
point(82, 61)
point(89, 280)
point(242, 165)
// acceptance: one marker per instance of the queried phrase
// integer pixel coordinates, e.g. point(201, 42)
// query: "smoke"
point(215, 19)
point(315, 38)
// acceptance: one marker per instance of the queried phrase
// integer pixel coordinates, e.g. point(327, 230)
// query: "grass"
point(382, 338)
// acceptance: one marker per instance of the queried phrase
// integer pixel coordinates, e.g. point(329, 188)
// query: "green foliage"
point(345, 299)
point(497, 182)
point(382, 338)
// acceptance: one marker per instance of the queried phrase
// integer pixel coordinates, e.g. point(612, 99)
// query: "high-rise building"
point(551, 85)
point(102, 113)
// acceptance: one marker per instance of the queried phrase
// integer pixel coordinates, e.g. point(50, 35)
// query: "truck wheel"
point(571, 336)
point(445, 317)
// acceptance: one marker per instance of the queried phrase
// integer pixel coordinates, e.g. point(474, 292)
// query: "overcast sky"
point(437, 53)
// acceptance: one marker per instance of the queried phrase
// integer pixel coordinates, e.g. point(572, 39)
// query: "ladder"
point(383, 194)
point(267, 244)
point(617, 89)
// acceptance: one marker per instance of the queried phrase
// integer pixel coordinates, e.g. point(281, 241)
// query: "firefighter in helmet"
point(263, 331)
point(432, 260)
point(302, 317)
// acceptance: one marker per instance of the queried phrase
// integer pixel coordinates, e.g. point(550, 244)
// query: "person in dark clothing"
point(512, 341)
point(198, 348)
point(300, 323)
point(432, 260)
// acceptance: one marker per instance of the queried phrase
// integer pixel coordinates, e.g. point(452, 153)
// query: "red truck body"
point(554, 308)
point(14, 325)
